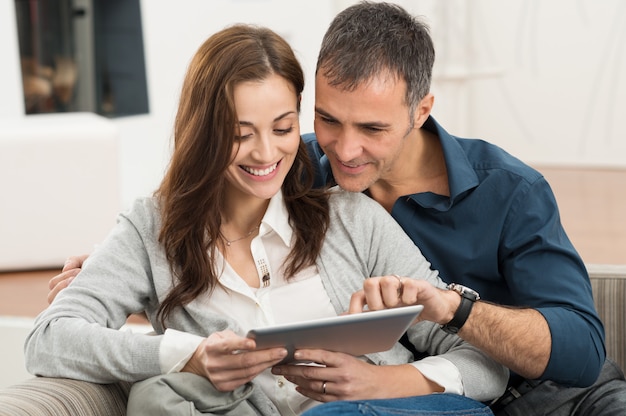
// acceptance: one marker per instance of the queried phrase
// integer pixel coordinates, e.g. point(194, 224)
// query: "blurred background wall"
point(544, 80)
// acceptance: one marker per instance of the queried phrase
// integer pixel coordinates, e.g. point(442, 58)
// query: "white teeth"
point(260, 172)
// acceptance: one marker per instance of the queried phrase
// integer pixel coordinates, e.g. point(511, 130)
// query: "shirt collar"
point(276, 218)
point(461, 174)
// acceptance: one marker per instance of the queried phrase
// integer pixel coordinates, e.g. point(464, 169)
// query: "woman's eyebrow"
point(284, 115)
point(249, 123)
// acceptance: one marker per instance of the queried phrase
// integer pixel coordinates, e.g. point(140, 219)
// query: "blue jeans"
point(431, 405)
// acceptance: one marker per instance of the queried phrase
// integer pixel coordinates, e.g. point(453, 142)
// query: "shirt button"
point(281, 383)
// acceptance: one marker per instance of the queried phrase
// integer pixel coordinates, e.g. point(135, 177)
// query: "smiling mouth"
point(349, 165)
point(352, 165)
point(260, 172)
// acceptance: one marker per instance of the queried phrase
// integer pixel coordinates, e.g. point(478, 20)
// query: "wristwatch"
point(468, 297)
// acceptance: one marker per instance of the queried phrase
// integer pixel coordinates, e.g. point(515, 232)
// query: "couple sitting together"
point(244, 232)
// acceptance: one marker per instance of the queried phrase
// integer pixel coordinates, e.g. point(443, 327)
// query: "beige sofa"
point(60, 397)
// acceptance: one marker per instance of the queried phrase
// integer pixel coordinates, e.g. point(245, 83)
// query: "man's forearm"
point(517, 338)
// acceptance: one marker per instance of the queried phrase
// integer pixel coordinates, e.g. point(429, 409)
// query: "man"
point(484, 219)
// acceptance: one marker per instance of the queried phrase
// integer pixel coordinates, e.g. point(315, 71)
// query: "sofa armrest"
point(608, 283)
point(41, 396)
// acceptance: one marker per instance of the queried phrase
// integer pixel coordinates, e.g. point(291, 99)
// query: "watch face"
point(464, 290)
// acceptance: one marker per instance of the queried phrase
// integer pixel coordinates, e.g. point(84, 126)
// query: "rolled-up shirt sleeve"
point(544, 271)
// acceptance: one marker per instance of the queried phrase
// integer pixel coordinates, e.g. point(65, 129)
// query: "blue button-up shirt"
point(499, 232)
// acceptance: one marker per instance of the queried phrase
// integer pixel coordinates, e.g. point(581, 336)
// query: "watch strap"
point(461, 314)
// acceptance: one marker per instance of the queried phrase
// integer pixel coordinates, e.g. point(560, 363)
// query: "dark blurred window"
point(82, 55)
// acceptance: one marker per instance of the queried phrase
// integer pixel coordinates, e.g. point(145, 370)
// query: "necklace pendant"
point(229, 242)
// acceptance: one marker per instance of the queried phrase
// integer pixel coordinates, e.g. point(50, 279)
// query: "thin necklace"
point(229, 242)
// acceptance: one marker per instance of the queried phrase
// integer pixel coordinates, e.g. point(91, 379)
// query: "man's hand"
point(393, 291)
point(229, 360)
point(486, 328)
point(62, 280)
point(340, 376)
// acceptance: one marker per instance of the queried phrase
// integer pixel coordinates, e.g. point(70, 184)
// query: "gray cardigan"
point(78, 337)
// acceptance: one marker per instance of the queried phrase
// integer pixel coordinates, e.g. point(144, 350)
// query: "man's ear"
point(423, 110)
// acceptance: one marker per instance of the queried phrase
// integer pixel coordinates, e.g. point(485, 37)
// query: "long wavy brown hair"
point(192, 192)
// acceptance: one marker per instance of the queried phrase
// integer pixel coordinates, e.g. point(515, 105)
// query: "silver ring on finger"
point(324, 387)
point(401, 288)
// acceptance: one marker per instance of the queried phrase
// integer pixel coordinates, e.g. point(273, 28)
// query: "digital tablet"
point(355, 334)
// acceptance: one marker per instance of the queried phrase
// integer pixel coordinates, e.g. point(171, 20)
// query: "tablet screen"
point(355, 334)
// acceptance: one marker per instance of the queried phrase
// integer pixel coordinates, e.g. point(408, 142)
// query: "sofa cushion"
point(608, 283)
point(62, 397)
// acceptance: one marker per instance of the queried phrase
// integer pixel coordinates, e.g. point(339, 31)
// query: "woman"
point(235, 238)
